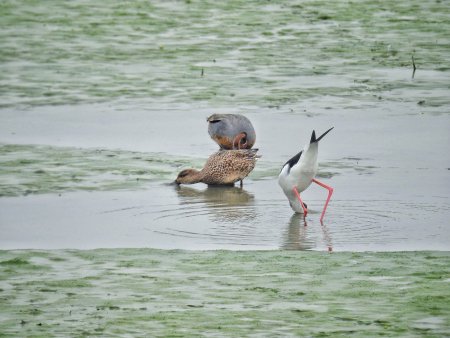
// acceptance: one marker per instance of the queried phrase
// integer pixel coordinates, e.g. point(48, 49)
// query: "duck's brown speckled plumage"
point(222, 168)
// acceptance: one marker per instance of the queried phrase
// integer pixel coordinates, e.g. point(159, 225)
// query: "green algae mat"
point(146, 292)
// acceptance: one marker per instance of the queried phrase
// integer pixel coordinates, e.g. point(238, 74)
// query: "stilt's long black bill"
point(313, 136)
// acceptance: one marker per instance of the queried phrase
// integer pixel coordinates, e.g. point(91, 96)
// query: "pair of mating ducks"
point(235, 160)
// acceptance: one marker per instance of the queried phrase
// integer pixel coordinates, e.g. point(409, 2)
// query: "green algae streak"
point(29, 169)
point(142, 292)
point(251, 52)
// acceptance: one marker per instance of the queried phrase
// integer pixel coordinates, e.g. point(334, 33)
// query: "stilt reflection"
point(299, 236)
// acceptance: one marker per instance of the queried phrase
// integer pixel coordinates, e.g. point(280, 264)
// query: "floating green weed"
point(227, 293)
point(254, 52)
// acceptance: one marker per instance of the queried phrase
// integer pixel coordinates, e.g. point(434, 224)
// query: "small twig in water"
point(414, 66)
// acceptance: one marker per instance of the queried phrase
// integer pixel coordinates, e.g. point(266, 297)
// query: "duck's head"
point(188, 176)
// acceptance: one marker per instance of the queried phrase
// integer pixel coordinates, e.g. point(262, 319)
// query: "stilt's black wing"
point(293, 161)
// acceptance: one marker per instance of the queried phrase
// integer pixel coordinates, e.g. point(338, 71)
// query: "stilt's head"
point(296, 206)
point(188, 176)
point(313, 135)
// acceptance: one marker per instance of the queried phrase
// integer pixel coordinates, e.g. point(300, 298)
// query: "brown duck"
point(224, 167)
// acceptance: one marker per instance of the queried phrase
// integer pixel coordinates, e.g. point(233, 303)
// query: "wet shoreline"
point(189, 293)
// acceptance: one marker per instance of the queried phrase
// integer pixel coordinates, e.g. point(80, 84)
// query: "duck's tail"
point(313, 136)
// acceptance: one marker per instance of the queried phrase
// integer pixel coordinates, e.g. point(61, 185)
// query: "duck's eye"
point(183, 174)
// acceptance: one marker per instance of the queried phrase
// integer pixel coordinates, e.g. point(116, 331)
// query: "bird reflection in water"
point(297, 238)
point(224, 204)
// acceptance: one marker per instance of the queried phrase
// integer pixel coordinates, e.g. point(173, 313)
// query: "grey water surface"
point(390, 179)
point(100, 108)
point(103, 103)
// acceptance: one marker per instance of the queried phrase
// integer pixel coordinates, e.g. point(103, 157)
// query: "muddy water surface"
point(101, 105)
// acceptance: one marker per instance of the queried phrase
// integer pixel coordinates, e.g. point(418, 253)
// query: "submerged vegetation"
point(250, 52)
point(179, 293)
point(29, 169)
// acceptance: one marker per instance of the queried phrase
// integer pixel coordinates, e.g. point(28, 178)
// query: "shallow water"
point(382, 201)
point(112, 100)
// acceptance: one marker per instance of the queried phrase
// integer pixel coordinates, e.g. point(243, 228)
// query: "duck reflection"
point(223, 204)
point(297, 238)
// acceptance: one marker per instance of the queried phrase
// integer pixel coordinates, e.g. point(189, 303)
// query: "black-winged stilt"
point(299, 172)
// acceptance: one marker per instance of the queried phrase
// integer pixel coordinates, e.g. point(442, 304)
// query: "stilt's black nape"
point(313, 136)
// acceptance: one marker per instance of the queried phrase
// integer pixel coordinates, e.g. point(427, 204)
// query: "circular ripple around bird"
point(260, 218)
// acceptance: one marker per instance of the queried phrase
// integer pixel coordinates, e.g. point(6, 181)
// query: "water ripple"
point(235, 216)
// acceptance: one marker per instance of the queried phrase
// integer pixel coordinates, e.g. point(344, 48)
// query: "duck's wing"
point(236, 157)
point(228, 166)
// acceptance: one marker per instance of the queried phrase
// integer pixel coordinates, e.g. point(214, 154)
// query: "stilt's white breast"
point(306, 168)
point(300, 175)
point(287, 183)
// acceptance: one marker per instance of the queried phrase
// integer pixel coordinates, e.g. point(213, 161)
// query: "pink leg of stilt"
point(330, 192)
point(305, 211)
